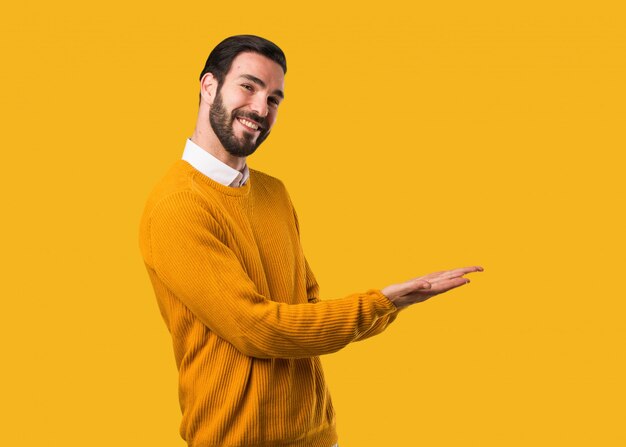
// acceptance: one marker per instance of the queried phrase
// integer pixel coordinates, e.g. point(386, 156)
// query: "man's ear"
point(208, 87)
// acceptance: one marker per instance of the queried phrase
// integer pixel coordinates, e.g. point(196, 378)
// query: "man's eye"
point(247, 87)
point(275, 101)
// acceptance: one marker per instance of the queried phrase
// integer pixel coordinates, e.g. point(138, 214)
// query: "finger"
point(420, 284)
point(406, 288)
point(432, 275)
point(448, 284)
point(463, 270)
point(415, 286)
point(425, 285)
point(455, 273)
point(444, 274)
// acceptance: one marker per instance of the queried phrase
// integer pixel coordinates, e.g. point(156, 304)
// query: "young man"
point(221, 245)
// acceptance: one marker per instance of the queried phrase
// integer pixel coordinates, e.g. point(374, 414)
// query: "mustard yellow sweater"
point(242, 306)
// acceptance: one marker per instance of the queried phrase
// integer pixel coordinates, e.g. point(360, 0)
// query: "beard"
point(222, 124)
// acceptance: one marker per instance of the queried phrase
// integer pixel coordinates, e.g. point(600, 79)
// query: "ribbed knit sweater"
point(243, 308)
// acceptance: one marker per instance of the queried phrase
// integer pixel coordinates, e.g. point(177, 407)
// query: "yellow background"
point(413, 138)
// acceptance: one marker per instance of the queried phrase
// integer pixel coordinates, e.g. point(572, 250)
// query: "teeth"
point(249, 123)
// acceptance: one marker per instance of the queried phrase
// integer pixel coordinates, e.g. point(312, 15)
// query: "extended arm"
point(189, 256)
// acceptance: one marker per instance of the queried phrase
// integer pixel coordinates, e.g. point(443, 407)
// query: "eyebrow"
point(256, 80)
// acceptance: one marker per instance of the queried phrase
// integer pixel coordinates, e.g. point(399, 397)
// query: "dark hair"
point(221, 58)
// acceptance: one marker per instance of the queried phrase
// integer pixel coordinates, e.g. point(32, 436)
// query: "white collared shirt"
point(212, 167)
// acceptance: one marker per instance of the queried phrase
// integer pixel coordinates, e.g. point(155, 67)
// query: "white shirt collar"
point(212, 167)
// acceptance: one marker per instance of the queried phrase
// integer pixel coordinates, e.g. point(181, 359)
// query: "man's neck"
point(210, 143)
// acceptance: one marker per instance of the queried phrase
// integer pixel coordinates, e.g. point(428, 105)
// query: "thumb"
point(406, 288)
point(414, 285)
point(423, 284)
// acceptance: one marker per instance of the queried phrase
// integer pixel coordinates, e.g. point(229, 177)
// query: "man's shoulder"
point(176, 180)
point(172, 195)
point(169, 196)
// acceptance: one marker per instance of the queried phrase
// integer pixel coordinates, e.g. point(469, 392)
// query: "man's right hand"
point(420, 289)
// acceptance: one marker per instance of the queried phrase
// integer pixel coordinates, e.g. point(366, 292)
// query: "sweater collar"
point(212, 167)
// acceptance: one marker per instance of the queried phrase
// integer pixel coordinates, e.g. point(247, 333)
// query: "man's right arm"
point(183, 245)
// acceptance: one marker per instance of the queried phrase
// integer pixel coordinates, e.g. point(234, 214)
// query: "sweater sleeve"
point(379, 326)
point(313, 294)
point(188, 254)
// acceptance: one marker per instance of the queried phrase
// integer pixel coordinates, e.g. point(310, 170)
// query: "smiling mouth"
point(250, 125)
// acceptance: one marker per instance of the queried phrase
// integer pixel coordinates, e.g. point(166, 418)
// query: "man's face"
point(246, 103)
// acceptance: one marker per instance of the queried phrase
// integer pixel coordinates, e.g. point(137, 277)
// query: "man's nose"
point(259, 105)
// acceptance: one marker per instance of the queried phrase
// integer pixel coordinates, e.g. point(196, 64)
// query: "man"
point(221, 245)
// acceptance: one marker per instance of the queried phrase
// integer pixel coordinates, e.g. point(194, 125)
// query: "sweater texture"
point(243, 309)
